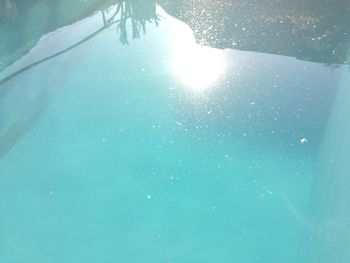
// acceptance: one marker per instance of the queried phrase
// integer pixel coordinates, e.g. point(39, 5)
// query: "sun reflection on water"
point(197, 67)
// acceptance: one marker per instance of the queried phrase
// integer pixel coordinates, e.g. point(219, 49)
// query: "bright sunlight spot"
point(196, 66)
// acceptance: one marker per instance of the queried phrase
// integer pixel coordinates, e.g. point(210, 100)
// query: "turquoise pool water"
point(166, 151)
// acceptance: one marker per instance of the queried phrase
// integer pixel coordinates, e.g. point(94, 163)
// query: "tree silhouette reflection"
point(138, 13)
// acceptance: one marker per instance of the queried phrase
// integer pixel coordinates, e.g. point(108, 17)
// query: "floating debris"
point(303, 141)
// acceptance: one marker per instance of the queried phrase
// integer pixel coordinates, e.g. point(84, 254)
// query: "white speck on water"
point(303, 141)
point(149, 196)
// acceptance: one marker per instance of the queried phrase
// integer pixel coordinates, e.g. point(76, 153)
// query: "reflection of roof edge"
point(8, 58)
point(270, 44)
point(107, 24)
point(11, 135)
point(256, 30)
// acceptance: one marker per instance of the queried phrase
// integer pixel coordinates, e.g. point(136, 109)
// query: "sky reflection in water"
point(120, 160)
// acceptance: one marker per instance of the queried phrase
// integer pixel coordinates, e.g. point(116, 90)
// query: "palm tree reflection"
point(8, 8)
point(138, 13)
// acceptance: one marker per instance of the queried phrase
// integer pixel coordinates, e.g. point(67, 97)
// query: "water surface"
point(166, 151)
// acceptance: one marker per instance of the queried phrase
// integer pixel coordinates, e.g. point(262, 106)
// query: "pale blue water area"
point(119, 159)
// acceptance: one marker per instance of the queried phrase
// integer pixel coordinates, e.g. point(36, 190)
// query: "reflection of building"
point(39, 17)
point(308, 30)
point(12, 131)
point(36, 18)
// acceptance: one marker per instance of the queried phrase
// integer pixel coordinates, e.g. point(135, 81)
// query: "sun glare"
point(196, 66)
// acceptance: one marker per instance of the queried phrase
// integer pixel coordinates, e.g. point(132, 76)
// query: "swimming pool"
point(173, 147)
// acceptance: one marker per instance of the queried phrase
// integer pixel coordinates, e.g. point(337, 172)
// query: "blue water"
point(109, 155)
